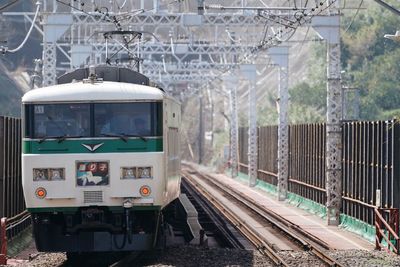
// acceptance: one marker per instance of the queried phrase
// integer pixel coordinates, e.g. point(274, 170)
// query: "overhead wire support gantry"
point(185, 47)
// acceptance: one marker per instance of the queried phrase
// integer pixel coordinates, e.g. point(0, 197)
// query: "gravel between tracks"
point(358, 258)
point(196, 256)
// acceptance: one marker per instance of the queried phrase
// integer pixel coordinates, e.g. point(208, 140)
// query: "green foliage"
point(221, 138)
point(267, 113)
point(312, 95)
point(371, 63)
point(267, 116)
point(308, 98)
point(299, 114)
point(364, 39)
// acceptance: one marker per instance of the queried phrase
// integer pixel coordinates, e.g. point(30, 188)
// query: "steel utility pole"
point(328, 27)
point(231, 82)
point(249, 71)
point(280, 55)
point(201, 127)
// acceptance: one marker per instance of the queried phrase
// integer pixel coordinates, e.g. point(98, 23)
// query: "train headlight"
point(48, 174)
point(136, 172)
point(40, 175)
point(41, 192)
point(128, 173)
point(57, 174)
point(145, 191)
point(145, 172)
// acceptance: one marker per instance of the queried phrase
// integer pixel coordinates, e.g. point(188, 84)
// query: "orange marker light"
point(41, 192)
point(145, 191)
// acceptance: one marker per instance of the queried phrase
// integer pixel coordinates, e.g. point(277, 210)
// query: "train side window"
point(28, 121)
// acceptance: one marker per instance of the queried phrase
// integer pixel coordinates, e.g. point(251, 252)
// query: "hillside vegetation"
point(370, 63)
point(10, 97)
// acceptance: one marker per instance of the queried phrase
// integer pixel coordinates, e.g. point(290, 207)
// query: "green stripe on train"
point(108, 146)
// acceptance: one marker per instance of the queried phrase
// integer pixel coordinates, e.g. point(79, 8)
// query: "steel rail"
point(310, 242)
point(214, 216)
point(17, 219)
point(249, 232)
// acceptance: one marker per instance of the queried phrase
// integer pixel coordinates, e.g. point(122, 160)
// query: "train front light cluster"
point(145, 191)
point(144, 172)
point(136, 172)
point(48, 174)
point(41, 193)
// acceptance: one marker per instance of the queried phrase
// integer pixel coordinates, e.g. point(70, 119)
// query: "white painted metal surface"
point(101, 91)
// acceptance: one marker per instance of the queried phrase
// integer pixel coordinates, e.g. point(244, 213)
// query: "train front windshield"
point(93, 120)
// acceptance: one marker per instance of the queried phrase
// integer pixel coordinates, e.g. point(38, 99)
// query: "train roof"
point(98, 91)
point(106, 73)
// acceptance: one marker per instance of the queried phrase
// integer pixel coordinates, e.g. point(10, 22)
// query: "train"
point(100, 160)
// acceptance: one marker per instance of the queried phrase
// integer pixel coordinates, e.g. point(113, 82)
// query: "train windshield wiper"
point(44, 138)
point(140, 136)
point(60, 138)
point(122, 136)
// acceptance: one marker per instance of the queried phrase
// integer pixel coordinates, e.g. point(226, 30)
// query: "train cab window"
point(128, 119)
point(57, 120)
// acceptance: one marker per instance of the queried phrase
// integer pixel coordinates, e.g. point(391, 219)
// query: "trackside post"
point(3, 241)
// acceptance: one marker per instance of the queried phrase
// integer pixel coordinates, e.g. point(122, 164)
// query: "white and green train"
point(100, 160)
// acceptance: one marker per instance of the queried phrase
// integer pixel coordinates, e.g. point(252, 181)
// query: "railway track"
point(292, 232)
point(214, 223)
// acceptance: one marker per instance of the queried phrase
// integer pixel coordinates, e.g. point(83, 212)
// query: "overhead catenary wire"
point(355, 15)
point(108, 16)
point(389, 7)
point(304, 40)
point(8, 5)
point(38, 4)
point(273, 40)
point(77, 9)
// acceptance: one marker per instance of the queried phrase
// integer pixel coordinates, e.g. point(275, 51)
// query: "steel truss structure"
point(280, 56)
point(329, 29)
point(231, 85)
point(70, 26)
point(182, 48)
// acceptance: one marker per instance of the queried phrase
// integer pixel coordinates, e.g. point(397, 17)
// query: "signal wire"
point(38, 4)
point(8, 5)
point(355, 15)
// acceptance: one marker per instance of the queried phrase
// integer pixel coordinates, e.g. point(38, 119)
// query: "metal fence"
point(12, 203)
point(267, 152)
point(307, 161)
point(243, 149)
point(370, 163)
point(370, 172)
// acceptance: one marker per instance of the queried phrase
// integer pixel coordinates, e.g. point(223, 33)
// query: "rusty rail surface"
point(370, 163)
point(387, 228)
point(309, 242)
point(247, 230)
